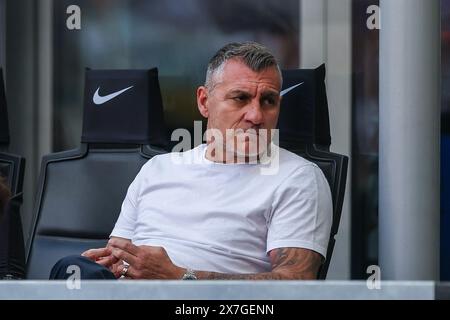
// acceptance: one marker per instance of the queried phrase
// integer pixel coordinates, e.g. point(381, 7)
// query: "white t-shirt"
point(226, 217)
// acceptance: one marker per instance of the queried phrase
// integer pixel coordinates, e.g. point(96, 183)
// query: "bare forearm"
point(287, 264)
point(205, 275)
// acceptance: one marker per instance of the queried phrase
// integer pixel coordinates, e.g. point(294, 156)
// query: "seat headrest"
point(4, 128)
point(304, 117)
point(123, 106)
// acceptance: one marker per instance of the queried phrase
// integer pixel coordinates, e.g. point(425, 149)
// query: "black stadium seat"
point(80, 192)
point(12, 168)
point(305, 130)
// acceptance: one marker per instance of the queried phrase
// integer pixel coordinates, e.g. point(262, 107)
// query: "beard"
point(240, 146)
point(247, 146)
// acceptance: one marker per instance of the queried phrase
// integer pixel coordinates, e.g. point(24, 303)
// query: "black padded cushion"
point(4, 128)
point(304, 114)
point(53, 249)
point(80, 203)
point(83, 198)
point(134, 116)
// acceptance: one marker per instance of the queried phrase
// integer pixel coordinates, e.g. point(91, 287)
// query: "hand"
point(101, 256)
point(117, 268)
point(145, 262)
point(104, 256)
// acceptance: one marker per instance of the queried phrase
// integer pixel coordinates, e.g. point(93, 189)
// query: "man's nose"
point(254, 113)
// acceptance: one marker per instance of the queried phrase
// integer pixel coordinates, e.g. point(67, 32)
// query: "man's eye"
point(240, 98)
point(269, 101)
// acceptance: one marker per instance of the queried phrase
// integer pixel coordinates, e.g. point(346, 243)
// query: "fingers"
point(124, 255)
point(107, 261)
point(95, 254)
point(124, 244)
point(130, 274)
point(119, 239)
point(116, 270)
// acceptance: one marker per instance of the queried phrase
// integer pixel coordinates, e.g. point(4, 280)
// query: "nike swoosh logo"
point(282, 93)
point(98, 99)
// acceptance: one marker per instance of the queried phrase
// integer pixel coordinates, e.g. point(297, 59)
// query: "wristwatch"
point(189, 275)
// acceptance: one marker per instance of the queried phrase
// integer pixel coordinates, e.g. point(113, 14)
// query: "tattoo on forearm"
point(299, 263)
point(287, 264)
point(204, 275)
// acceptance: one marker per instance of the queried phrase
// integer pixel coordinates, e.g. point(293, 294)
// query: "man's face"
point(244, 101)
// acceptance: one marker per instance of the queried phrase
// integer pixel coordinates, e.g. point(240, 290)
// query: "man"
point(218, 217)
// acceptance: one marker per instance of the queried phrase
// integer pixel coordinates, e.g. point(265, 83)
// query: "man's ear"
point(202, 97)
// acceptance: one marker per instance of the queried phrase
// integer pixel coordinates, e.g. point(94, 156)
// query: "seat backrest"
point(305, 130)
point(80, 192)
point(12, 167)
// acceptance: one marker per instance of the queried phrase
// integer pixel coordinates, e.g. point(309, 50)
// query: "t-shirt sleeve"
point(302, 212)
point(126, 222)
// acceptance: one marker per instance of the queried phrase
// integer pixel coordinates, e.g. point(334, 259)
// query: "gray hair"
point(254, 55)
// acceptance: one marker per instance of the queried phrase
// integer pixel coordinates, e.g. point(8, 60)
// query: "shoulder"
point(291, 163)
point(168, 160)
point(299, 173)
